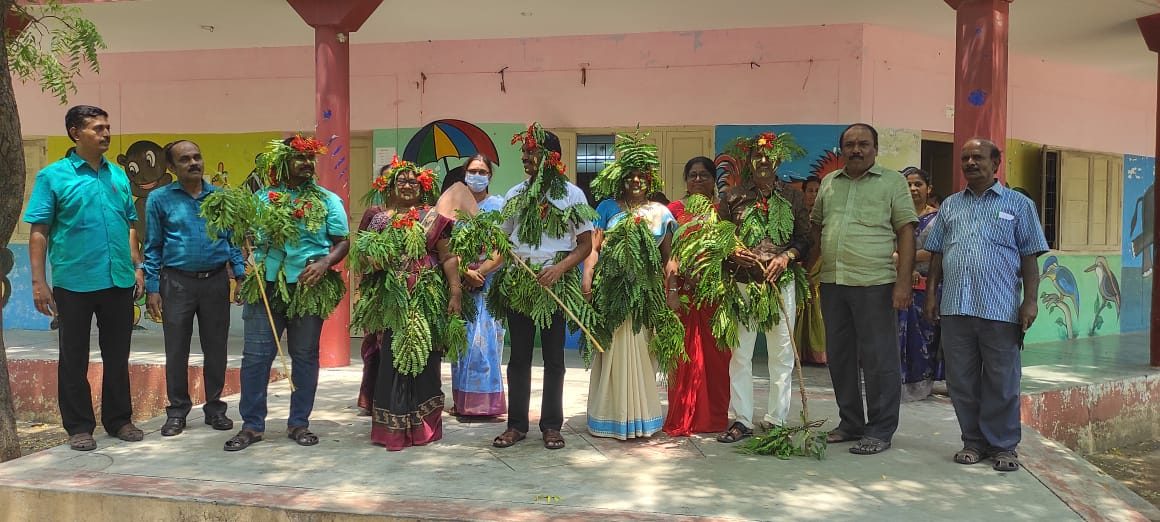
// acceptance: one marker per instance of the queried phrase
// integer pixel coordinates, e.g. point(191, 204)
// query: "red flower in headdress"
point(307, 145)
point(273, 196)
point(426, 179)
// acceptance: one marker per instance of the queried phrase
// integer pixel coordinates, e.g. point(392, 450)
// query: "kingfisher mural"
point(1107, 291)
point(1066, 289)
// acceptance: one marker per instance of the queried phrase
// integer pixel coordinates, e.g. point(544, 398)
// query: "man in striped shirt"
point(983, 247)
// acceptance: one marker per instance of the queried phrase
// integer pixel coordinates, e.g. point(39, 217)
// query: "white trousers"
point(779, 346)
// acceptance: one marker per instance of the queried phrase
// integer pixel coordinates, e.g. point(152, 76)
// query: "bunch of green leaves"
point(700, 247)
point(307, 207)
point(55, 47)
point(230, 212)
point(514, 290)
point(784, 442)
point(771, 219)
point(535, 214)
point(411, 344)
point(473, 235)
point(392, 248)
point(319, 299)
point(455, 343)
point(632, 153)
point(629, 285)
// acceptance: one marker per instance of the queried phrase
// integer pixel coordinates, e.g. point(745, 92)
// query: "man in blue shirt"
point(187, 274)
point(81, 212)
point(983, 245)
point(303, 263)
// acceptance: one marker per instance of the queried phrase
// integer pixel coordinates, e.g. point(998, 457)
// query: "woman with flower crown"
point(409, 304)
point(625, 277)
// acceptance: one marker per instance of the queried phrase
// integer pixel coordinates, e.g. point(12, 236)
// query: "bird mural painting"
point(1066, 288)
point(1108, 293)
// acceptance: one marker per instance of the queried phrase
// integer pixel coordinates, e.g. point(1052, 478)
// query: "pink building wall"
point(816, 74)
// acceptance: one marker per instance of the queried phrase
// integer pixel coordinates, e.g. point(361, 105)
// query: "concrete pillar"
point(1150, 29)
point(980, 75)
point(332, 21)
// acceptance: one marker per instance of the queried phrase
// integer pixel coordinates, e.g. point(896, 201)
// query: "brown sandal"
point(130, 433)
point(82, 442)
point(302, 435)
point(553, 439)
point(969, 455)
point(508, 438)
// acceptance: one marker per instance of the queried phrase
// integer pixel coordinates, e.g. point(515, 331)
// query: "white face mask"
point(476, 182)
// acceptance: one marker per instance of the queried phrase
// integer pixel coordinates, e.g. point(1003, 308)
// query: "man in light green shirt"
point(862, 215)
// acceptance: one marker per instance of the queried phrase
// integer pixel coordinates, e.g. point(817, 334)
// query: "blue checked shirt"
point(177, 236)
point(981, 239)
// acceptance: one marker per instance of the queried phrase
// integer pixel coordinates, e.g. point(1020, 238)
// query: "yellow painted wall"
point(1024, 163)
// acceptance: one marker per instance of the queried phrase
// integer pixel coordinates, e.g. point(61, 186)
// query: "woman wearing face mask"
point(476, 378)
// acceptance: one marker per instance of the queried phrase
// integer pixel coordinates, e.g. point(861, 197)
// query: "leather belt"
point(197, 275)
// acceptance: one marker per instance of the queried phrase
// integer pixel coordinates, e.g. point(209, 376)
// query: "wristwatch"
point(791, 255)
point(139, 266)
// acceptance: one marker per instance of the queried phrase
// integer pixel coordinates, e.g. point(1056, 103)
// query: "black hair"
point(479, 157)
point(454, 176)
point(812, 179)
point(873, 133)
point(659, 197)
point(552, 142)
point(77, 116)
point(169, 149)
point(906, 172)
point(705, 162)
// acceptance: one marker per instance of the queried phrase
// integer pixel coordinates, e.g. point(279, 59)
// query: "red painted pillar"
point(332, 21)
point(1150, 29)
point(980, 75)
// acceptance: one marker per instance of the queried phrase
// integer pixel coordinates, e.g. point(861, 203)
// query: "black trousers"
point(182, 298)
point(113, 308)
point(862, 331)
point(519, 372)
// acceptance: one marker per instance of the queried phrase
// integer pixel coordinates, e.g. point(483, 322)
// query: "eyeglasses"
point(402, 182)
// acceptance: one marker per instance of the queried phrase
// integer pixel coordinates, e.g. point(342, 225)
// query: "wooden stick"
point(793, 344)
point(273, 329)
point(572, 316)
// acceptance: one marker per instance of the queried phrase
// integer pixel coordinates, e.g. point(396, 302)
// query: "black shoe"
point(173, 426)
point(220, 422)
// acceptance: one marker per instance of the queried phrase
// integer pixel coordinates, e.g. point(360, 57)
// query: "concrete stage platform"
point(462, 477)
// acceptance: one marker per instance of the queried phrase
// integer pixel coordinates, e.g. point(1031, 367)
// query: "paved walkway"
point(464, 477)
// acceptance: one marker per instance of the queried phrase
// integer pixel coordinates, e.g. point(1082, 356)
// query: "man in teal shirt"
point(81, 212)
point(319, 246)
point(862, 215)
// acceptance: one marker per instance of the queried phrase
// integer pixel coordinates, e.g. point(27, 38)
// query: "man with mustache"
point(187, 274)
point(301, 262)
point(985, 241)
point(81, 212)
point(773, 226)
point(862, 215)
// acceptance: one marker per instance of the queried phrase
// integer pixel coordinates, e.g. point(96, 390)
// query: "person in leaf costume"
point(299, 232)
point(698, 389)
point(773, 234)
point(626, 276)
point(409, 304)
point(550, 227)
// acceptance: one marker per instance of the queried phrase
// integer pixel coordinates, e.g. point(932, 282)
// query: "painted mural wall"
point(897, 148)
point(1138, 251)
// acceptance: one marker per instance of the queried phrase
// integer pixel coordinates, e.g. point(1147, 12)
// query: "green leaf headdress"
point(778, 148)
point(382, 185)
point(632, 153)
point(275, 162)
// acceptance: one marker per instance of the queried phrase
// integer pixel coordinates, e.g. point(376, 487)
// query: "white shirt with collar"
point(545, 254)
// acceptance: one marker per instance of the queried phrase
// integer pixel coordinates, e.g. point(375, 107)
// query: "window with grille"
point(593, 151)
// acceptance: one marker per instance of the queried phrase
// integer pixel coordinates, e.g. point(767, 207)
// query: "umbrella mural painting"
point(442, 139)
